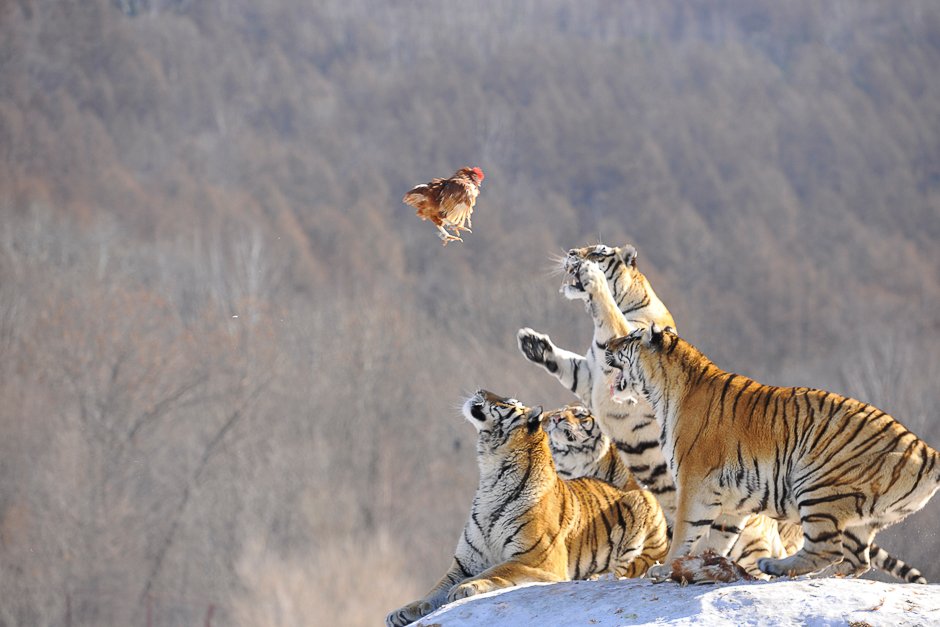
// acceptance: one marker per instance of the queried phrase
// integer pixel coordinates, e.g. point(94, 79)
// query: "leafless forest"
point(230, 358)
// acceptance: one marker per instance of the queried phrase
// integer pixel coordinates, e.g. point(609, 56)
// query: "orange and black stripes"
point(841, 468)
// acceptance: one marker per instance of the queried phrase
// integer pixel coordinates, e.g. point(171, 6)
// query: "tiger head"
point(617, 265)
point(636, 357)
point(499, 420)
point(576, 440)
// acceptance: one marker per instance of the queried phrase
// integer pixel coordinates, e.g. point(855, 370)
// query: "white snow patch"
point(606, 603)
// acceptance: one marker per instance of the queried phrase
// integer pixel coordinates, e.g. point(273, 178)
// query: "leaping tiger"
point(527, 524)
point(841, 468)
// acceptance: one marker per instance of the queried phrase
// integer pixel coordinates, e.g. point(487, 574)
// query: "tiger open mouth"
point(573, 278)
point(621, 391)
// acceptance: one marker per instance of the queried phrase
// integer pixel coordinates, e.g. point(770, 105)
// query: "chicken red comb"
point(479, 173)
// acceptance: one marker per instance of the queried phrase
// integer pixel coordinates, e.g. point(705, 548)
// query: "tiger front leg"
point(432, 600)
point(569, 368)
point(637, 563)
point(643, 545)
point(504, 575)
point(693, 517)
point(723, 533)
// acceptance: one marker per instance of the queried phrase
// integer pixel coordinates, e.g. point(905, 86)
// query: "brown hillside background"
point(231, 359)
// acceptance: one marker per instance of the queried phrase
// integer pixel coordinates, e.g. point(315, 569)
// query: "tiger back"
point(527, 524)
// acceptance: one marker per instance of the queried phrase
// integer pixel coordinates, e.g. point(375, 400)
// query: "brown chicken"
point(448, 202)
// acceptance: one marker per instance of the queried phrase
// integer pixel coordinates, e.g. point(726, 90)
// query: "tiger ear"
point(534, 419)
point(656, 336)
point(628, 254)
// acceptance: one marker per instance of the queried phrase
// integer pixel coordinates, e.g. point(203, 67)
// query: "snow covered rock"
point(612, 603)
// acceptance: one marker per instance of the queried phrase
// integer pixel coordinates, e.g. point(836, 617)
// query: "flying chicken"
point(448, 202)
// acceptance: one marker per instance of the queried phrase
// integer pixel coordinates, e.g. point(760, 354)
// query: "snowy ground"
point(611, 603)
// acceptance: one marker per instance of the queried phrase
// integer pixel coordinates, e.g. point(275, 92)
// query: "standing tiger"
point(840, 467)
point(580, 449)
point(526, 524)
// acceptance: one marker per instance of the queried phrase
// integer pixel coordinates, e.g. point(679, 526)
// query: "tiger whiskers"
point(556, 265)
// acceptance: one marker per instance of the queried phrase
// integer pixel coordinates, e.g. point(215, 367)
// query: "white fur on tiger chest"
point(635, 431)
point(631, 426)
point(497, 504)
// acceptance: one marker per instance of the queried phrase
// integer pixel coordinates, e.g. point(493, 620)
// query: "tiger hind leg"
point(822, 546)
point(862, 554)
point(856, 559)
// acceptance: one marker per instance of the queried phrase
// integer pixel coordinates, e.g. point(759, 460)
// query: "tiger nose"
point(571, 252)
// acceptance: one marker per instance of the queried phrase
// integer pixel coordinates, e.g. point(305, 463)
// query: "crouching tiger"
point(841, 468)
point(527, 524)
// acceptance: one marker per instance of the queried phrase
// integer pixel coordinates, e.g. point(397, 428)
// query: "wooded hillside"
point(230, 358)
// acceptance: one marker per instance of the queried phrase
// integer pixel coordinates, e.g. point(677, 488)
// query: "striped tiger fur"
point(580, 449)
point(527, 524)
point(632, 425)
point(632, 428)
point(842, 468)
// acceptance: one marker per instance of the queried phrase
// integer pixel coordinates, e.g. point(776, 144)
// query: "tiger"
point(633, 429)
point(632, 425)
point(580, 449)
point(527, 524)
point(841, 468)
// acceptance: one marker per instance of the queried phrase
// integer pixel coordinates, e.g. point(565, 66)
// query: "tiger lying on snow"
point(840, 467)
point(526, 524)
